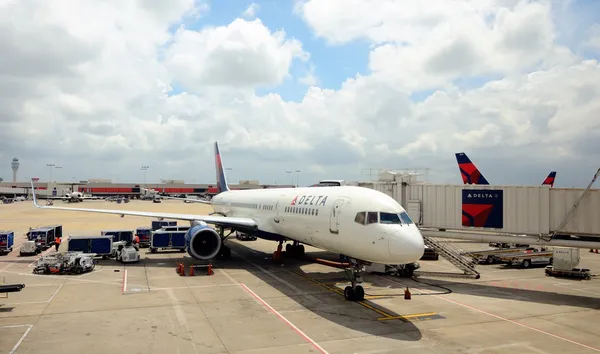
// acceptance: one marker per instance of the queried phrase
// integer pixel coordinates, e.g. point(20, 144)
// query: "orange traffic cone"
point(191, 270)
point(406, 294)
point(182, 270)
point(210, 271)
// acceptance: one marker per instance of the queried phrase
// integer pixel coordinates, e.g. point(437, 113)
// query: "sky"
point(332, 88)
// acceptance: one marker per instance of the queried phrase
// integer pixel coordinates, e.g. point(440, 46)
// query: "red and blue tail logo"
point(221, 181)
point(550, 179)
point(469, 173)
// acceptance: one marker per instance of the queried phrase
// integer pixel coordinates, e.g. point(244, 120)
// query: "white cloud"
point(89, 85)
point(252, 10)
point(244, 53)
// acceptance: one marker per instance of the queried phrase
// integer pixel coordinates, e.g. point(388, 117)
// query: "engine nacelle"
point(202, 242)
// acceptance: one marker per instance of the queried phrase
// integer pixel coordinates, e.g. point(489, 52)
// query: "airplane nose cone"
point(407, 246)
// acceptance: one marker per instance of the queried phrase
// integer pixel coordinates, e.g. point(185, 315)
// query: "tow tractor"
point(31, 247)
point(125, 252)
point(65, 263)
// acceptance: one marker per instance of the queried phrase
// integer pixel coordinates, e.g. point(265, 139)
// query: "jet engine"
point(202, 241)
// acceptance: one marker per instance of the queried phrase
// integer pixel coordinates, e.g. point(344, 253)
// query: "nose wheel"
point(355, 292)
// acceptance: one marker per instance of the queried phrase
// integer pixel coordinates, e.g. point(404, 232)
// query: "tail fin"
point(470, 174)
point(221, 180)
point(550, 179)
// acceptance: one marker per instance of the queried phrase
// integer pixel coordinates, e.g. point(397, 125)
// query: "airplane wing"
point(188, 199)
point(209, 219)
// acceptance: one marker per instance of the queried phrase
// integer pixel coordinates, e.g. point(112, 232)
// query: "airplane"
point(471, 175)
point(361, 224)
point(75, 197)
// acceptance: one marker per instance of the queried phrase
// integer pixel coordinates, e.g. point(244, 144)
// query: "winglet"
point(221, 180)
point(33, 192)
point(469, 172)
point(550, 179)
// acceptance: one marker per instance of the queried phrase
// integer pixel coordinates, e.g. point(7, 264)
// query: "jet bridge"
point(537, 211)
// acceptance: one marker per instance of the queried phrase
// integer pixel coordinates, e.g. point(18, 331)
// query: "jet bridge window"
point(389, 218)
point(405, 218)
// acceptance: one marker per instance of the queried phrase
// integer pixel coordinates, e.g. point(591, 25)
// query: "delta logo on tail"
point(471, 175)
point(469, 172)
point(550, 179)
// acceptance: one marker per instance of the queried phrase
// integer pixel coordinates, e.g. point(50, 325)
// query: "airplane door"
point(334, 216)
point(276, 219)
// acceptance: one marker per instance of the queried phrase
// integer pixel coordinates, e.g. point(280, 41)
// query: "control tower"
point(15, 167)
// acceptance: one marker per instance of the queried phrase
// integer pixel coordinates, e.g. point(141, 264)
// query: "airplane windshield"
point(405, 218)
point(389, 218)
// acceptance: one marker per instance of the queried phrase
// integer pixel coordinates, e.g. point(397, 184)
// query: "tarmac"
point(251, 305)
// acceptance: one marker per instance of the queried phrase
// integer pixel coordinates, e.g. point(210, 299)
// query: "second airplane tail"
point(469, 172)
point(550, 179)
point(221, 180)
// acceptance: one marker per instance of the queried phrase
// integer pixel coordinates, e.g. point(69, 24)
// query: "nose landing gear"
point(355, 292)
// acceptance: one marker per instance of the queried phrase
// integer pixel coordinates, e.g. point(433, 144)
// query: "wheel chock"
point(191, 270)
point(406, 294)
point(210, 270)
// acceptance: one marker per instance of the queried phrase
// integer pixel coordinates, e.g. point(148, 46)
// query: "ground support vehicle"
point(242, 236)
point(143, 233)
point(493, 256)
point(528, 258)
point(30, 248)
point(7, 240)
point(157, 224)
point(582, 273)
point(45, 235)
point(163, 240)
point(119, 235)
point(65, 263)
point(125, 252)
point(98, 245)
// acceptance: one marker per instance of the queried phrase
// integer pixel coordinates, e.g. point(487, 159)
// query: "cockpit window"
point(405, 218)
point(389, 218)
point(372, 217)
point(360, 218)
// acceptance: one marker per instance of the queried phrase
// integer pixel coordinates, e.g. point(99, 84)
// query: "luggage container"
point(7, 240)
point(174, 228)
point(143, 232)
point(163, 240)
point(157, 224)
point(45, 235)
point(119, 235)
point(100, 245)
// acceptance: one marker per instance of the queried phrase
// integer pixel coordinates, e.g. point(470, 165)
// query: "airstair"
point(452, 254)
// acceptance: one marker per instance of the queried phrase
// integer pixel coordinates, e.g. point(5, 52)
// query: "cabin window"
point(405, 218)
point(316, 211)
point(389, 218)
point(360, 218)
point(372, 217)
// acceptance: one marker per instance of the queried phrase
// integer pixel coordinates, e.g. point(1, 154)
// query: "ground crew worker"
point(136, 242)
point(57, 243)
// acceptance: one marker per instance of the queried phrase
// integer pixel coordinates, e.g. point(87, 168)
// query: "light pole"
point(298, 178)
point(145, 168)
point(289, 173)
point(228, 169)
point(50, 165)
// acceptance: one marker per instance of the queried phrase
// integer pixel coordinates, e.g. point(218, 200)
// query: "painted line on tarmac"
point(302, 334)
point(29, 327)
point(505, 319)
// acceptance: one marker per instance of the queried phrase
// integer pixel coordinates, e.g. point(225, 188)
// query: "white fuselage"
point(326, 217)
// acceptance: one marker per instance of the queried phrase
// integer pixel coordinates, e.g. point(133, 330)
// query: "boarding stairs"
point(453, 254)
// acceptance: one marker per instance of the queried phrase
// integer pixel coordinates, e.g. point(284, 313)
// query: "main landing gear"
point(295, 250)
point(354, 292)
point(224, 252)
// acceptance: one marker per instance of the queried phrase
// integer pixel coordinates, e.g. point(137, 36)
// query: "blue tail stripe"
point(221, 180)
